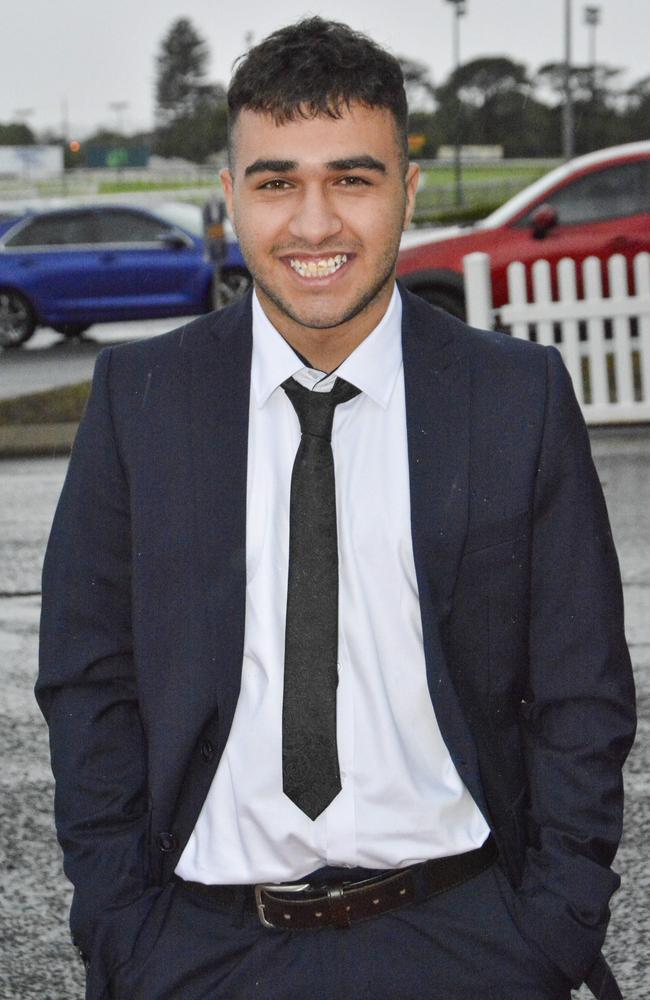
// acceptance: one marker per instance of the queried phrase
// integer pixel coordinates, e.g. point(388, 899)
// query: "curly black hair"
point(317, 67)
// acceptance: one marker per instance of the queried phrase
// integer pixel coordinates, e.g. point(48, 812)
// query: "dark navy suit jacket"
point(143, 617)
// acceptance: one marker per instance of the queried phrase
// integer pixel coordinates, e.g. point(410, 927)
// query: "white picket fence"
point(610, 363)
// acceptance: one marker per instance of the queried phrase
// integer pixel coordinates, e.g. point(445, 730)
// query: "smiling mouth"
point(321, 267)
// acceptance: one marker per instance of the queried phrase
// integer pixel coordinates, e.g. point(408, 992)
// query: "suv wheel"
point(17, 319)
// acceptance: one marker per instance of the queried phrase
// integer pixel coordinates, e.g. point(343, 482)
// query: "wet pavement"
point(37, 961)
point(49, 360)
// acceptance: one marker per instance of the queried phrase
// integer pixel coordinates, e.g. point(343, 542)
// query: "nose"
point(315, 219)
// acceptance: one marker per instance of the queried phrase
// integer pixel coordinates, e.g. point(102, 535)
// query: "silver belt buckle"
point(259, 889)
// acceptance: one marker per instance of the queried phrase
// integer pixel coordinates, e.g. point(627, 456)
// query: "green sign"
point(117, 157)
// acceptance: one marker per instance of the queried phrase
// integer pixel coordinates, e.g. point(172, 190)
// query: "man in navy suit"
point(332, 487)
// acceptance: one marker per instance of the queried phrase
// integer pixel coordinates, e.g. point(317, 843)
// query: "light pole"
point(567, 118)
point(460, 9)
point(592, 20)
point(65, 131)
point(119, 107)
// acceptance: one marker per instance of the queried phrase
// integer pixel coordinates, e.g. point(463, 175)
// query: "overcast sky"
point(89, 55)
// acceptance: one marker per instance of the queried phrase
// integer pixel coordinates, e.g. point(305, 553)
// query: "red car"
point(595, 205)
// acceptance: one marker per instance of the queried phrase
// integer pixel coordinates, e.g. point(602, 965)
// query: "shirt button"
point(207, 751)
point(167, 842)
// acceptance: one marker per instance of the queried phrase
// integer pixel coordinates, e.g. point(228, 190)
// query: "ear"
point(412, 180)
point(227, 184)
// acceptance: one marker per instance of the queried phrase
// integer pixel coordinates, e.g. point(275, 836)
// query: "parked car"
point(69, 268)
point(235, 277)
point(595, 205)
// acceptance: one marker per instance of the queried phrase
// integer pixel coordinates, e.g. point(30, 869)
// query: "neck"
point(326, 348)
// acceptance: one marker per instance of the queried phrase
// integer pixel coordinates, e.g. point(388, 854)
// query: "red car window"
point(610, 193)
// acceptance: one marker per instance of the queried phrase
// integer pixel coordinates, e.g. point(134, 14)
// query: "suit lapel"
point(219, 407)
point(437, 384)
point(436, 375)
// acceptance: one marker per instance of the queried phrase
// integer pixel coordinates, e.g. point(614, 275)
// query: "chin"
point(323, 315)
point(325, 320)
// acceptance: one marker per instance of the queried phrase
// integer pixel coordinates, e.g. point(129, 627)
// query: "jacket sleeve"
point(580, 718)
point(86, 686)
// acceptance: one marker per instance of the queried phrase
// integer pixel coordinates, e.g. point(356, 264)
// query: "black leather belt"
point(304, 905)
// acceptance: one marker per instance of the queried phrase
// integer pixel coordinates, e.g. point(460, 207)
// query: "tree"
point(181, 76)
point(190, 110)
point(598, 121)
point(636, 113)
point(481, 81)
point(588, 83)
point(639, 93)
point(196, 137)
point(417, 83)
point(16, 134)
point(487, 101)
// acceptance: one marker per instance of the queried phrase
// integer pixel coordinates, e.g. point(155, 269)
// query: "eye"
point(276, 184)
point(353, 181)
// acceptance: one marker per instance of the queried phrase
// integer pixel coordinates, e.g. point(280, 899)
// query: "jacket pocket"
point(117, 932)
point(538, 959)
point(123, 977)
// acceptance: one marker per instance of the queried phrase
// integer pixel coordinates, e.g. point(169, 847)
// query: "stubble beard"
point(364, 300)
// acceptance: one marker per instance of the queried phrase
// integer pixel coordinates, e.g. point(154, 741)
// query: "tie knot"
point(316, 409)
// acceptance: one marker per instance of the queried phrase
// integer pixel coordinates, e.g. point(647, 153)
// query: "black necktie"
point(310, 767)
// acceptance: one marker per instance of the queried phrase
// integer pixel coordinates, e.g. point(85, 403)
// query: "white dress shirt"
point(401, 799)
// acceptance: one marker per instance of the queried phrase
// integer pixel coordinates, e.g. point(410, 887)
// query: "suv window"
point(604, 194)
point(55, 229)
point(124, 226)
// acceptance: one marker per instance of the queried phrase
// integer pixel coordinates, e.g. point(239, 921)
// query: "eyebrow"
point(287, 166)
point(357, 163)
point(271, 167)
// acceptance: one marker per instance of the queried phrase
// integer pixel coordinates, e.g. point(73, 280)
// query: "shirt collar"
point(373, 366)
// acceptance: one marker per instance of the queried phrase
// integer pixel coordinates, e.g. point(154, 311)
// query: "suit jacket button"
point(167, 842)
point(207, 751)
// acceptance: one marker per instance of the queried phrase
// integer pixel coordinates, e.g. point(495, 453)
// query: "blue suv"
point(69, 268)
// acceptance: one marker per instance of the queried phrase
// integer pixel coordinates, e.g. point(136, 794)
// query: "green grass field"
point(119, 187)
point(476, 173)
point(484, 189)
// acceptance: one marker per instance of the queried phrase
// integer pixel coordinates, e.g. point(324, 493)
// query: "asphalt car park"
point(49, 360)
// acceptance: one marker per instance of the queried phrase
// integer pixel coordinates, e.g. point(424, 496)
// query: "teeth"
point(318, 268)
